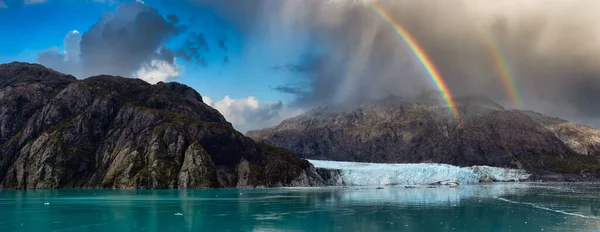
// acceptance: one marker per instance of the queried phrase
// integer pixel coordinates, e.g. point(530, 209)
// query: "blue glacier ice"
point(378, 174)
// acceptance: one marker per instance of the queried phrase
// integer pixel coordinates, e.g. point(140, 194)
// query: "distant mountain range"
point(113, 132)
point(399, 130)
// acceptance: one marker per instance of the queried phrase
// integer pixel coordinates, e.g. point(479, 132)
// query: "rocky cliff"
point(113, 132)
point(398, 130)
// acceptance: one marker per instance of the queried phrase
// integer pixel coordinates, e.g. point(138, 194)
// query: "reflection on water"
point(489, 207)
point(428, 195)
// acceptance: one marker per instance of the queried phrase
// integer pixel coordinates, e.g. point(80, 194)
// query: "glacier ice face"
point(500, 174)
point(377, 174)
point(365, 174)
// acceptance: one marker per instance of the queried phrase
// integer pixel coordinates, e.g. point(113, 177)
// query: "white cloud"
point(66, 61)
point(71, 43)
point(249, 114)
point(158, 70)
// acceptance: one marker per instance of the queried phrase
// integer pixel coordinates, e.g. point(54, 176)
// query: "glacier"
point(379, 174)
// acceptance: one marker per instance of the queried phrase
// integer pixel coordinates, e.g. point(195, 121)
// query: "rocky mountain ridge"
point(114, 132)
point(398, 130)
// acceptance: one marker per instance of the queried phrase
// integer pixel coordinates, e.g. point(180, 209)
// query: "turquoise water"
point(493, 207)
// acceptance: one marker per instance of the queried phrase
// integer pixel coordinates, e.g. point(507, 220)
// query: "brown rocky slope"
point(397, 130)
point(113, 132)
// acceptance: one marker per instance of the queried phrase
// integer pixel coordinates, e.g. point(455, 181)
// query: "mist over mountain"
point(549, 46)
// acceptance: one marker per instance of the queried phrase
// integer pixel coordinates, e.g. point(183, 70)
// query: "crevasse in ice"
point(377, 174)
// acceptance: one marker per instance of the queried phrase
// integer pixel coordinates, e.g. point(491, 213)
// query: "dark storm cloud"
point(297, 89)
point(127, 42)
point(194, 48)
point(309, 64)
point(121, 42)
point(549, 45)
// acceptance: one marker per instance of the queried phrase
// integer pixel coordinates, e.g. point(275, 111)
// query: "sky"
point(261, 61)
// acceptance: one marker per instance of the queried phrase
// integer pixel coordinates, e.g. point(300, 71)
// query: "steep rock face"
point(582, 139)
point(25, 88)
point(117, 132)
point(395, 130)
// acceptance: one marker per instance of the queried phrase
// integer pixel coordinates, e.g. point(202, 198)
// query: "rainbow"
point(504, 72)
point(427, 63)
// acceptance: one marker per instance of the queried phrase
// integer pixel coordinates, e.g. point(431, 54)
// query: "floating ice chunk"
point(378, 174)
point(46, 203)
point(178, 214)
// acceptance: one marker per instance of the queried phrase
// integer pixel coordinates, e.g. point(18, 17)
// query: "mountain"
point(398, 130)
point(113, 132)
